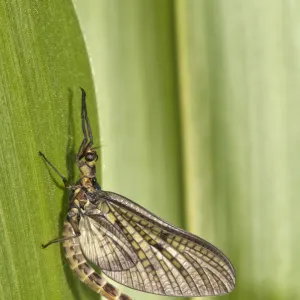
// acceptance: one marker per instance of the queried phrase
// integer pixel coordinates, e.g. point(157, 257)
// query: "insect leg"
point(76, 231)
point(86, 128)
point(67, 185)
point(89, 129)
point(59, 240)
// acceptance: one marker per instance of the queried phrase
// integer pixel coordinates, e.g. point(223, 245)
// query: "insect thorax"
point(99, 207)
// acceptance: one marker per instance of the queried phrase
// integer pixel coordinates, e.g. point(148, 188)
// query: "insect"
point(130, 244)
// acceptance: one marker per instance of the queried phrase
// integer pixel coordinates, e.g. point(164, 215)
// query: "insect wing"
point(170, 260)
point(105, 245)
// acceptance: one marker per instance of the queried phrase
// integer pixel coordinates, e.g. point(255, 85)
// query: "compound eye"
point(90, 156)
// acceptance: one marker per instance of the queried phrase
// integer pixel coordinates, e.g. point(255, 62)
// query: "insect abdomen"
point(84, 271)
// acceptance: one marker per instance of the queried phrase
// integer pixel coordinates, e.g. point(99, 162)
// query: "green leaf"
point(198, 111)
point(44, 62)
point(239, 73)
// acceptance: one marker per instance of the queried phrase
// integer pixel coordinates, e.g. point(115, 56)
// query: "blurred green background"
point(195, 107)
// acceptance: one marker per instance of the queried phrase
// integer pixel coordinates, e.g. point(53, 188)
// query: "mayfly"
point(130, 244)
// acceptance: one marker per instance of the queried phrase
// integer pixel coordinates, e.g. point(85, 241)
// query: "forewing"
point(105, 245)
point(171, 261)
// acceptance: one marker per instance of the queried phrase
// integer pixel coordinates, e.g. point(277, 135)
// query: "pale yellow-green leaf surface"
point(239, 74)
point(229, 71)
point(132, 52)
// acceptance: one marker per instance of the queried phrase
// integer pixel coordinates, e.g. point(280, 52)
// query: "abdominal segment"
point(84, 271)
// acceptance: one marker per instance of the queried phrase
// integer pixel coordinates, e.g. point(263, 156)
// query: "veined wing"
point(105, 245)
point(170, 261)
